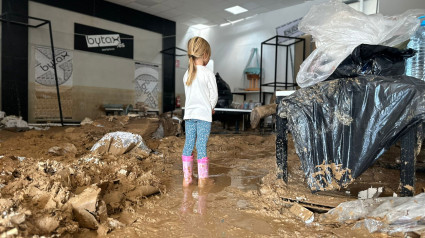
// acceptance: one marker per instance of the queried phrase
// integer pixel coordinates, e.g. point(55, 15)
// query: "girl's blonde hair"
point(196, 47)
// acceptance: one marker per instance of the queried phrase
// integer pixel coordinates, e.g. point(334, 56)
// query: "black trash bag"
point(225, 97)
point(341, 127)
point(373, 60)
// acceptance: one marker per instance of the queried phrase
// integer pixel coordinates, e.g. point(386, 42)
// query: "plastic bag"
point(373, 60)
point(250, 68)
point(391, 215)
point(341, 127)
point(337, 29)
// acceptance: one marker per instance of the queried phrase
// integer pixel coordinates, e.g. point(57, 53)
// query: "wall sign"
point(102, 41)
point(146, 79)
point(289, 29)
point(46, 102)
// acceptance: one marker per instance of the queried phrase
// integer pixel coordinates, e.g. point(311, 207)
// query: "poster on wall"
point(97, 40)
point(147, 85)
point(289, 29)
point(46, 102)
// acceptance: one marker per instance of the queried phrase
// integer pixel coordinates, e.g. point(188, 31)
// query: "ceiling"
point(207, 12)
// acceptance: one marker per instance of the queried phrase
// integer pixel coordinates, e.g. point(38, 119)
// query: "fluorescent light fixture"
point(231, 22)
point(236, 10)
point(239, 20)
point(200, 26)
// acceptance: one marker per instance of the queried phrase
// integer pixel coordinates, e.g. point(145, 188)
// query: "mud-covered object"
point(341, 127)
point(373, 60)
point(225, 96)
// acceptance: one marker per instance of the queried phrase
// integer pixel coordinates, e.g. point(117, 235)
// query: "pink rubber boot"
point(187, 170)
point(203, 165)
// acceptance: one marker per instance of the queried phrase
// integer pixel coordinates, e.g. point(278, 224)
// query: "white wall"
point(396, 7)
point(231, 45)
point(93, 72)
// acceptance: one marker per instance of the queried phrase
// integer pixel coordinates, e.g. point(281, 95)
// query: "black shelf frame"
point(6, 17)
point(173, 51)
point(274, 41)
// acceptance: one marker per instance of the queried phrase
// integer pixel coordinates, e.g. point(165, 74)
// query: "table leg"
point(282, 148)
point(408, 161)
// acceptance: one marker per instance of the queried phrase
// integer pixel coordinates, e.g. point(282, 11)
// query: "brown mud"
point(73, 193)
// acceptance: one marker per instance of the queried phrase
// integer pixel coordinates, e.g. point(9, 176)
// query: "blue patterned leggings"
point(199, 131)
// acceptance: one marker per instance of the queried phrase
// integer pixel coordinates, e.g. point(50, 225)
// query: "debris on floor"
point(118, 143)
point(370, 193)
point(303, 213)
point(388, 215)
point(14, 122)
point(72, 192)
point(52, 188)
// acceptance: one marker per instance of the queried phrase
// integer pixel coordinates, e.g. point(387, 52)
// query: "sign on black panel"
point(102, 41)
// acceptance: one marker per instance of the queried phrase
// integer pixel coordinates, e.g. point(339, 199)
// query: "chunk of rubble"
point(66, 148)
point(110, 225)
point(86, 121)
point(69, 130)
point(85, 219)
point(10, 233)
point(47, 224)
point(370, 193)
point(141, 191)
point(303, 213)
point(84, 207)
point(14, 122)
point(118, 143)
point(2, 115)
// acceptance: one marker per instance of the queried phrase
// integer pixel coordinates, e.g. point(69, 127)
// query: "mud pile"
point(51, 183)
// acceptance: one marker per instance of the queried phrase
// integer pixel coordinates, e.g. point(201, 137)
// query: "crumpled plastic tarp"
point(341, 127)
point(337, 29)
point(390, 214)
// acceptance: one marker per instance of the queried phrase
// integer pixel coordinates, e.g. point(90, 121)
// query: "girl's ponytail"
point(196, 47)
point(192, 70)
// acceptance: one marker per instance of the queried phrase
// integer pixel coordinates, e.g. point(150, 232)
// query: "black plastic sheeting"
point(341, 127)
point(373, 60)
point(225, 96)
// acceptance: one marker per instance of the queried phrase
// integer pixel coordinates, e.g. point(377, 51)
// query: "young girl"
point(201, 97)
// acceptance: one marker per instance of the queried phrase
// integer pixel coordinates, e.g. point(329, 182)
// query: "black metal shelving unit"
point(275, 41)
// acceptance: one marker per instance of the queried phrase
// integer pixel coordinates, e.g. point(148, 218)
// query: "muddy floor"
point(138, 195)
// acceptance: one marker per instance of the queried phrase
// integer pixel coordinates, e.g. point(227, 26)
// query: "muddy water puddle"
point(217, 210)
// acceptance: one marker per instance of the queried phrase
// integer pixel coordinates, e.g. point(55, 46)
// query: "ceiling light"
point(232, 22)
point(200, 26)
point(236, 10)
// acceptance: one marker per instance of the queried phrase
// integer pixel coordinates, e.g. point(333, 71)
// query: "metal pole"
point(261, 72)
point(56, 73)
point(275, 63)
point(286, 67)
